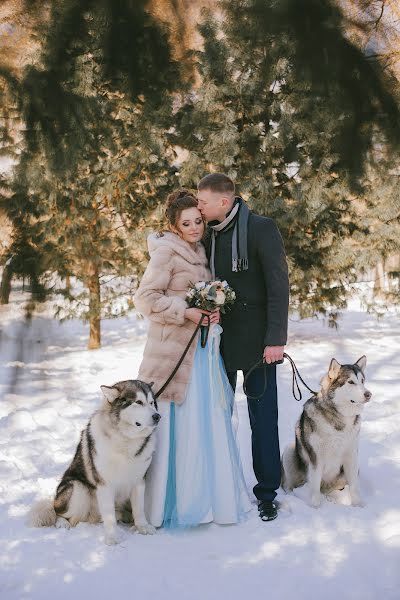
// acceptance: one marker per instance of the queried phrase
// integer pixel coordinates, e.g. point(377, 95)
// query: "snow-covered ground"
point(49, 384)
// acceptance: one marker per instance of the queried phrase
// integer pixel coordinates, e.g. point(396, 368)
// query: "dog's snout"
point(156, 417)
point(367, 395)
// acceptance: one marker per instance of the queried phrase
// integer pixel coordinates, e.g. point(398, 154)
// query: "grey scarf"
point(238, 219)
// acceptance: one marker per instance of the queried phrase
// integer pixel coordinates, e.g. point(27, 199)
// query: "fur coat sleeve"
point(152, 299)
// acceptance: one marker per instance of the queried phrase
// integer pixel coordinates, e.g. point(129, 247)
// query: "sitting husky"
point(110, 462)
point(326, 447)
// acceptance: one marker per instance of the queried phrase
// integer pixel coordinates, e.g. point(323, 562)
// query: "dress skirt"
point(196, 474)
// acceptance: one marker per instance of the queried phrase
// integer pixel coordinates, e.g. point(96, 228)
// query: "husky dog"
point(110, 462)
point(326, 447)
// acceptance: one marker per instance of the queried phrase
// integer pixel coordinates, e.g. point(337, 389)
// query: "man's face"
point(213, 205)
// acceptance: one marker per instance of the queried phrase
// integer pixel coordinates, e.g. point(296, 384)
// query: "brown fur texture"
point(174, 265)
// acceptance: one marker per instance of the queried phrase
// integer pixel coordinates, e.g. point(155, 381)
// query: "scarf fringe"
point(241, 264)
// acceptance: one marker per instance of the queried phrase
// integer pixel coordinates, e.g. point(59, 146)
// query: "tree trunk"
point(379, 280)
point(94, 310)
point(5, 286)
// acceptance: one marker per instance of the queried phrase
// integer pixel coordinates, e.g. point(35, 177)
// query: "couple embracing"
point(196, 474)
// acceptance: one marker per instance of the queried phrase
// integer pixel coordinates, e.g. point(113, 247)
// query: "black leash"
point(203, 344)
point(261, 363)
point(295, 378)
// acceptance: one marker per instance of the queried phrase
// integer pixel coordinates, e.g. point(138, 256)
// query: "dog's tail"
point(42, 514)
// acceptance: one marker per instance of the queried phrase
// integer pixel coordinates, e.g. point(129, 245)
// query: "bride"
point(196, 474)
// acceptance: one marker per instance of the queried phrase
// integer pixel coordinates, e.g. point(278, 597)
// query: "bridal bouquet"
point(210, 295)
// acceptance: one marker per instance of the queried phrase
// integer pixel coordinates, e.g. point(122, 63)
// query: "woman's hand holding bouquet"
point(194, 314)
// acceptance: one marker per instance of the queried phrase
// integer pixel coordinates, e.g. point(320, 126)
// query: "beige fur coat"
point(173, 264)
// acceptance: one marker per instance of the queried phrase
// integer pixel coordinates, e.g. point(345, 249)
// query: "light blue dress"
point(199, 478)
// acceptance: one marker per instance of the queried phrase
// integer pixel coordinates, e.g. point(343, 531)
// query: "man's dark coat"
point(259, 316)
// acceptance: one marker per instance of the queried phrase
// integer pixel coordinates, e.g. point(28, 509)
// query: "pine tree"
point(64, 121)
point(102, 215)
point(94, 156)
point(90, 226)
point(295, 128)
point(19, 46)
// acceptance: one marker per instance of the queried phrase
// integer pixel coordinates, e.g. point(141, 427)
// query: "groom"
point(247, 250)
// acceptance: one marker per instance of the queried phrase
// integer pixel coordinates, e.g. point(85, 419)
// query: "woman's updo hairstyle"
point(177, 202)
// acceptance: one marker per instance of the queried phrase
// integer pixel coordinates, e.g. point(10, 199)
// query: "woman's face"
point(191, 225)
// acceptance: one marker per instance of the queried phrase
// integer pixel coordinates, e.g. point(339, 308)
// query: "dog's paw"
point(315, 501)
point(62, 523)
point(113, 538)
point(145, 529)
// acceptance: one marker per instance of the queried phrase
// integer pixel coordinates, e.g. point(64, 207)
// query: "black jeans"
point(263, 415)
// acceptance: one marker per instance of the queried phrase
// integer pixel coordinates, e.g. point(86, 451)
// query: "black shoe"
point(267, 510)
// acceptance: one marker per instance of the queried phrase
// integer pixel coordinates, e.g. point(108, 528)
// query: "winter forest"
point(105, 108)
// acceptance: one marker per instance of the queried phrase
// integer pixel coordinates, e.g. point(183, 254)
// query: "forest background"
point(107, 106)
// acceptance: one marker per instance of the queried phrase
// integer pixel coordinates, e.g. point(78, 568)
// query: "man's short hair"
point(217, 182)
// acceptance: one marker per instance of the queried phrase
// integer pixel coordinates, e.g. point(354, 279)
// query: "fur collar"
point(193, 255)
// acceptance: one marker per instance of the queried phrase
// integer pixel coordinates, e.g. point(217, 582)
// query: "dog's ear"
point(334, 369)
point(151, 384)
point(109, 393)
point(362, 363)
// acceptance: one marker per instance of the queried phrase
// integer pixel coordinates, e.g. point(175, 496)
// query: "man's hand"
point(273, 353)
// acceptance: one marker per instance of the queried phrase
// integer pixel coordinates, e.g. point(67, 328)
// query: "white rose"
point(200, 285)
point(220, 299)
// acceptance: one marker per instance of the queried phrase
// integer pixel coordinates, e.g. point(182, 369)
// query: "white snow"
point(49, 385)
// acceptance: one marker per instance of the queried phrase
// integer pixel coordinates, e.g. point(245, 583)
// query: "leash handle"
point(295, 379)
point(258, 364)
point(296, 391)
point(180, 361)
